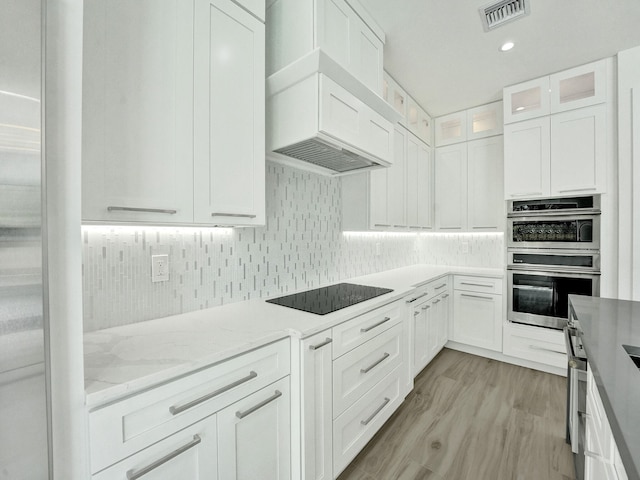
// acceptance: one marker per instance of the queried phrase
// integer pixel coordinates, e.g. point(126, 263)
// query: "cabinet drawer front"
point(439, 286)
point(355, 332)
point(355, 427)
point(360, 369)
point(478, 284)
point(190, 453)
point(125, 427)
point(536, 344)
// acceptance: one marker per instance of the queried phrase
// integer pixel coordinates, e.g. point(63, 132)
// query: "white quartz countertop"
point(123, 360)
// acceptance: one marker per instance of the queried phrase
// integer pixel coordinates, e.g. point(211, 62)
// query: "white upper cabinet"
point(451, 187)
point(229, 113)
point(578, 87)
point(137, 140)
point(297, 27)
point(527, 158)
point(173, 112)
point(485, 184)
point(395, 96)
point(418, 121)
point(451, 129)
point(484, 121)
point(526, 100)
point(397, 181)
point(578, 145)
point(419, 185)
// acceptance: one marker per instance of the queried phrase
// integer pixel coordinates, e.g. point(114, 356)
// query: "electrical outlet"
point(159, 268)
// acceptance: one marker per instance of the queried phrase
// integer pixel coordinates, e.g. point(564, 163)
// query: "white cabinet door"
point(138, 111)
point(451, 128)
point(485, 184)
point(526, 100)
point(395, 96)
point(579, 87)
point(379, 189)
point(527, 159)
point(316, 407)
point(421, 318)
point(366, 55)
point(190, 454)
point(433, 329)
point(419, 184)
point(477, 319)
point(254, 436)
point(443, 319)
point(451, 187)
point(579, 151)
point(484, 121)
point(229, 139)
point(397, 180)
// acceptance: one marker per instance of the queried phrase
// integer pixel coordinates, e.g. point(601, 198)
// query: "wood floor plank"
point(468, 418)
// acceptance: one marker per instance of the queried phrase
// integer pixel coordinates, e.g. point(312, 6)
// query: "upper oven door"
point(554, 231)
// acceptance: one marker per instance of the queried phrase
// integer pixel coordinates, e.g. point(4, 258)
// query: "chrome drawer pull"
point(366, 329)
point(240, 414)
point(536, 347)
point(176, 410)
point(378, 410)
point(477, 284)
point(239, 215)
point(375, 364)
point(476, 296)
point(586, 189)
point(425, 307)
point(320, 345)
point(135, 474)
point(135, 209)
point(441, 286)
point(436, 301)
point(445, 295)
point(381, 225)
point(416, 298)
point(415, 314)
point(525, 194)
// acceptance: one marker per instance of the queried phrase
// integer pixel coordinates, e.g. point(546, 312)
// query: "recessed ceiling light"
point(507, 46)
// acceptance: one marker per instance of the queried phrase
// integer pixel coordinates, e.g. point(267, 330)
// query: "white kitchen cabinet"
point(397, 181)
point(442, 319)
point(526, 100)
point(485, 121)
point(418, 121)
point(190, 454)
point(541, 345)
point(137, 143)
point(451, 188)
point(419, 176)
point(316, 408)
point(395, 96)
point(578, 151)
point(421, 316)
point(578, 87)
point(451, 128)
point(229, 134)
point(254, 435)
point(485, 184)
point(527, 158)
point(477, 312)
point(297, 27)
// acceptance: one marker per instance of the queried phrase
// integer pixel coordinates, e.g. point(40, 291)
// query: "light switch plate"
point(159, 268)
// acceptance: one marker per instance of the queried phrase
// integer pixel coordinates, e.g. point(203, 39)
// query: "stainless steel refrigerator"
point(24, 421)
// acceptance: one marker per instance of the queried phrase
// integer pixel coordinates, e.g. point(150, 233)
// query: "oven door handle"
point(552, 269)
point(574, 362)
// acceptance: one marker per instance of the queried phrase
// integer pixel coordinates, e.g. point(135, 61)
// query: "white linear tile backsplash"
point(301, 246)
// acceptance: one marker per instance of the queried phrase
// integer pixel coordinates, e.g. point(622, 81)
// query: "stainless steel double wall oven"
point(553, 251)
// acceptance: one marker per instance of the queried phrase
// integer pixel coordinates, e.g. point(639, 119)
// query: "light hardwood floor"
point(472, 418)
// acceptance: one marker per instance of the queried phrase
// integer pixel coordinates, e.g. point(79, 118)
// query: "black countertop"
point(608, 324)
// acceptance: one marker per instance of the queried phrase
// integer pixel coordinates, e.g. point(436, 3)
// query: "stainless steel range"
point(553, 251)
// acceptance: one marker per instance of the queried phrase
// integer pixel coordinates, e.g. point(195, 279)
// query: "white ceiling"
point(438, 51)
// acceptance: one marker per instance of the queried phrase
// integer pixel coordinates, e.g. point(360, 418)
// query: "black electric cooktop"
point(329, 299)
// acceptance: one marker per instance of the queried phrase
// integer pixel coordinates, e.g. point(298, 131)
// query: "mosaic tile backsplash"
point(301, 246)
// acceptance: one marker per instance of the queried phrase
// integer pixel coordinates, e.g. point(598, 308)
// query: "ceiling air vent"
point(499, 13)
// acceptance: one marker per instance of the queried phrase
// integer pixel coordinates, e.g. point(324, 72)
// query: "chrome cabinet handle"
point(135, 209)
point(415, 314)
point(238, 215)
point(381, 225)
point(425, 307)
point(320, 345)
point(476, 296)
point(445, 295)
point(436, 301)
point(418, 297)
point(240, 414)
point(377, 411)
point(525, 194)
point(441, 286)
point(371, 327)
point(477, 284)
point(544, 349)
point(375, 364)
point(135, 474)
point(585, 189)
point(179, 409)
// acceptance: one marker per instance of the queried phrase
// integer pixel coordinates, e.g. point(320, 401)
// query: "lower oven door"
point(542, 297)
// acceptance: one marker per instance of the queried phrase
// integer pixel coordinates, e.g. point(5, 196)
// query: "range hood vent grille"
point(333, 158)
point(498, 13)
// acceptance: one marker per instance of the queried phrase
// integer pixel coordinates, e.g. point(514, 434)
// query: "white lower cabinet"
point(232, 419)
point(540, 345)
point(190, 454)
point(602, 458)
point(254, 435)
point(477, 312)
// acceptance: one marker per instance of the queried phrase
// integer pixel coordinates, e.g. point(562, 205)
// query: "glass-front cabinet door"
point(526, 100)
